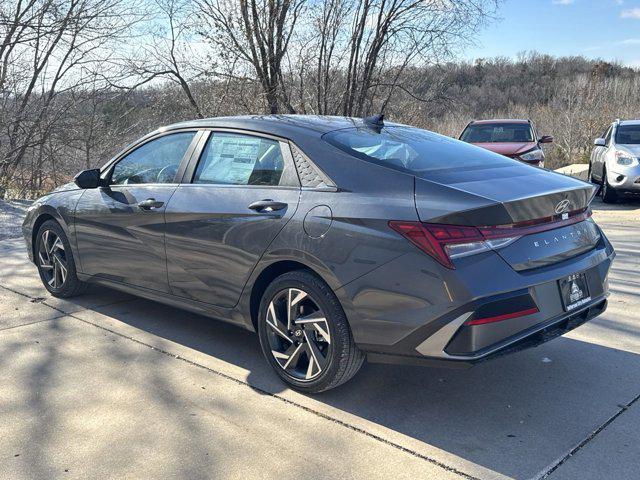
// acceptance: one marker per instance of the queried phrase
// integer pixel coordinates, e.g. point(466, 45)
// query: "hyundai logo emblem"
point(563, 206)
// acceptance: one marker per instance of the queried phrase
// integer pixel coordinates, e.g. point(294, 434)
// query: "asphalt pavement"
point(110, 386)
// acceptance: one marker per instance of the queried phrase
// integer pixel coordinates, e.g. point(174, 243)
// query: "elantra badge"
point(563, 206)
point(577, 234)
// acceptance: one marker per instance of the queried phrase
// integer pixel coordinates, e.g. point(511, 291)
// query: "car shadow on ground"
point(513, 415)
point(624, 203)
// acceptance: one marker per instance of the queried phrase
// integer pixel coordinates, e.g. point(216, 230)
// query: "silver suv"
point(615, 160)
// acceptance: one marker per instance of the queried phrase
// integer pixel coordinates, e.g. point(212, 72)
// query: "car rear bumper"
point(432, 328)
point(528, 338)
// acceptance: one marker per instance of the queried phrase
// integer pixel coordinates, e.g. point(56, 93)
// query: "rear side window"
point(628, 134)
point(156, 161)
point(497, 132)
point(413, 150)
point(235, 159)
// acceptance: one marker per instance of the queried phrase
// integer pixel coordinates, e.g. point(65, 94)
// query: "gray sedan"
point(336, 239)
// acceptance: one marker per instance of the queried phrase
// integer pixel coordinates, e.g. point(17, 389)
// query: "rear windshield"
point(413, 150)
point(628, 134)
point(497, 132)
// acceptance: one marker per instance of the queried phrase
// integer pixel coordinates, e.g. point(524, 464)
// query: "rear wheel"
point(609, 195)
point(55, 262)
point(304, 333)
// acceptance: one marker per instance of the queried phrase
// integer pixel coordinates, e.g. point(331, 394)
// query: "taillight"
point(446, 242)
point(433, 239)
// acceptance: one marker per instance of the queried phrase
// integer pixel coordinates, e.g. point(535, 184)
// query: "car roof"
point(287, 126)
point(501, 120)
point(629, 122)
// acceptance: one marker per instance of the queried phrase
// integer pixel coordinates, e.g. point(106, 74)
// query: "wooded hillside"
point(79, 79)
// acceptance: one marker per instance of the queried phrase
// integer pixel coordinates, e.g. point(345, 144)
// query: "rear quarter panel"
point(348, 236)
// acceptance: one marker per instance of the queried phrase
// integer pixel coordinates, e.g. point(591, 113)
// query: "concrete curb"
point(578, 170)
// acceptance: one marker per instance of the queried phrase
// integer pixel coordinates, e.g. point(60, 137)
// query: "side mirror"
point(600, 142)
point(546, 139)
point(88, 178)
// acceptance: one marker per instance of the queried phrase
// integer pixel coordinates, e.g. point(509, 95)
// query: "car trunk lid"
point(540, 249)
point(515, 197)
point(497, 195)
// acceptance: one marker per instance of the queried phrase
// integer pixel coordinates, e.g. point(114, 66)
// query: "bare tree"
point(256, 32)
point(385, 37)
point(330, 22)
point(50, 45)
point(80, 78)
point(169, 51)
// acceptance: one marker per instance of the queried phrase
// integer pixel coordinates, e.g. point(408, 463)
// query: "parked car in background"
point(335, 239)
point(615, 160)
point(512, 138)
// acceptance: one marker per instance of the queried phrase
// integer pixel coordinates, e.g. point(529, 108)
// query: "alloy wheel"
point(52, 259)
point(298, 334)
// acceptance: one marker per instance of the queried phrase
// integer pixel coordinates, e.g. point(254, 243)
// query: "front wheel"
point(609, 195)
point(55, 261)
point(304, 333)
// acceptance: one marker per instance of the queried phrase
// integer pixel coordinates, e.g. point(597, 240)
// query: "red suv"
point(512, 138)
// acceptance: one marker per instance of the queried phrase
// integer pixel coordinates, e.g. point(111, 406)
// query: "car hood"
point(631, 148)
point(507, 148)
point(497, 195)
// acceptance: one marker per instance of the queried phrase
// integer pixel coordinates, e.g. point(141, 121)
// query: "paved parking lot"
point(110, 386)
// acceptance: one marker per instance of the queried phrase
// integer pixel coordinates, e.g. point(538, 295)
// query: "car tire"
point(319, 352)
point(609, 195)
point(55, 262)
point(590, 175)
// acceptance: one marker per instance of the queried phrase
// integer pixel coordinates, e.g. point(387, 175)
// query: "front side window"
point(236, 159)
point(628, 135)
point(156, 161)
point(497, 133)
point(607, 135)
point(413, 150)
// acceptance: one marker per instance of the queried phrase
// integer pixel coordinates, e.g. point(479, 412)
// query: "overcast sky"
point(608, 29)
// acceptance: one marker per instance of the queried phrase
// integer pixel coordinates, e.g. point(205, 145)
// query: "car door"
point(120, 226)
point(235, 199)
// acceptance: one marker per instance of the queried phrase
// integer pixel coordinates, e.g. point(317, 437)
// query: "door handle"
point(267, 205)
point(150, 204)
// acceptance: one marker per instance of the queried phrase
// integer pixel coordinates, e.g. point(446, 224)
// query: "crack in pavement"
point(553, 467)
point(42, 301)
point(32, 323)
point(238, 381)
